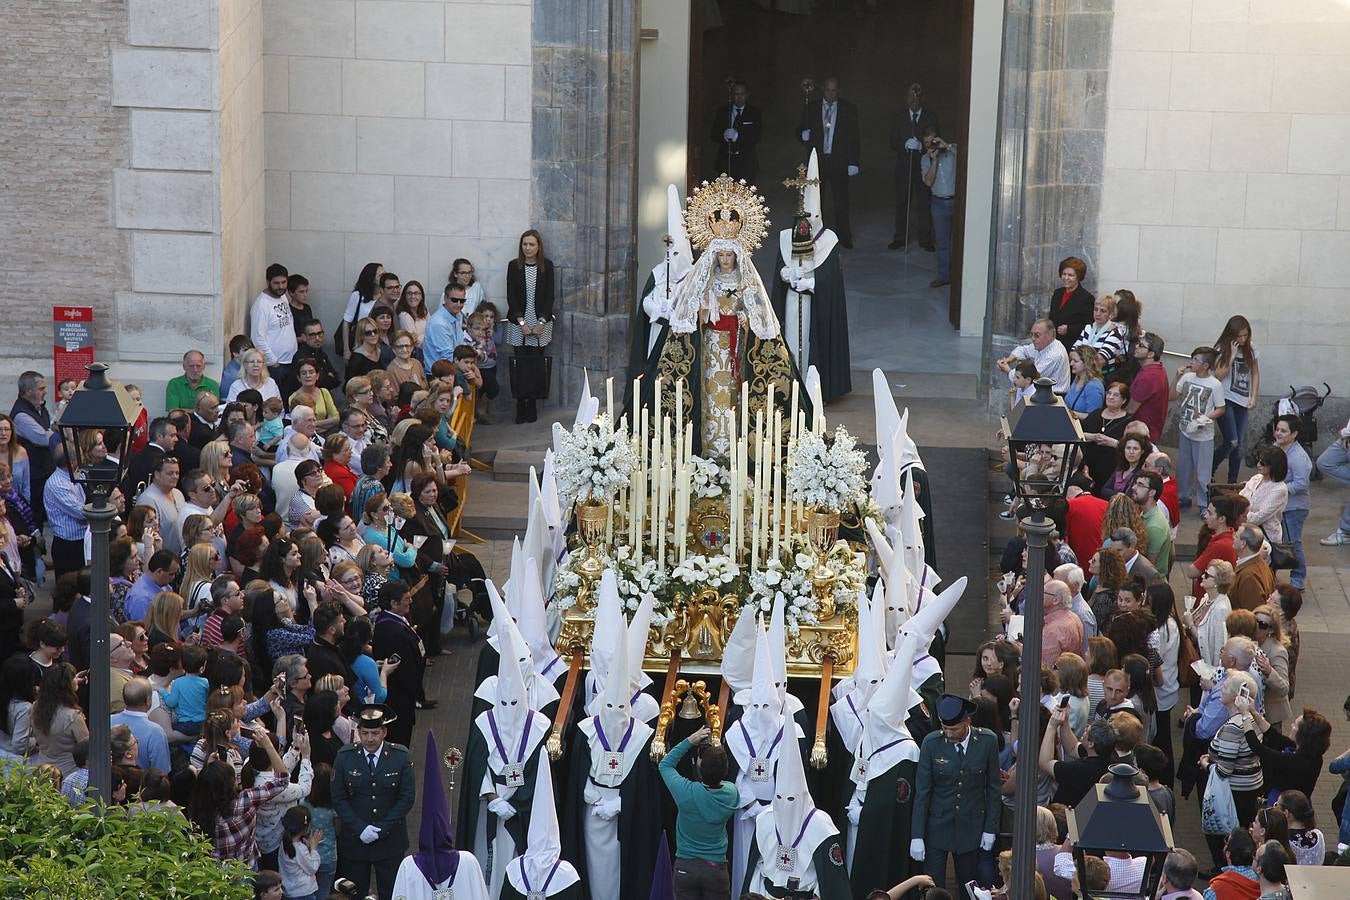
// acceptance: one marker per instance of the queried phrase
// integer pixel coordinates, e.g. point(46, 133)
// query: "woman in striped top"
point(1229, 751)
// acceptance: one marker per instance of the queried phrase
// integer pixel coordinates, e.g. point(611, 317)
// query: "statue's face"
point(726, 260)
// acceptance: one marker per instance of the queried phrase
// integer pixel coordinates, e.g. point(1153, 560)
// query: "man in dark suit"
point(736, 128)
point(956, 794)
point(77, 621)
point(202, 428)
point(323, 656)
point(394, 634)
point(912, 216)
point(373, 792)
point(830, 125)
point(163, 440)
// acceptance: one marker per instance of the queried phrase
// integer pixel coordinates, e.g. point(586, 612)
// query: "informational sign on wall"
point(72, 342)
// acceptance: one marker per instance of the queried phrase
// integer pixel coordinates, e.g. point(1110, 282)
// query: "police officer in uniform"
point(956, 794)
point(373, 792)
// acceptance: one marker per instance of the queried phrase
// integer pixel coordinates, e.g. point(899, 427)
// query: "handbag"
point(1187, 653)
point(1282, 556)
point(531, 376)
point(1218, 813)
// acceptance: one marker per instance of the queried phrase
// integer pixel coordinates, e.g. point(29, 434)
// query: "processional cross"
point(801, 183)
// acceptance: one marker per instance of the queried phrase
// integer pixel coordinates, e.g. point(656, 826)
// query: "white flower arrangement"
point(593, 462)
point(707, 478)
point(791, 577)
point(635, 583)
point(827, 476)
point(718, 572)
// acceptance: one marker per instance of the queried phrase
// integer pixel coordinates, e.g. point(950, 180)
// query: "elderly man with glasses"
point(446, 330)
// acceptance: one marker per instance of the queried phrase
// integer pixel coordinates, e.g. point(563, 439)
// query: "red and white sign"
point(72, 342)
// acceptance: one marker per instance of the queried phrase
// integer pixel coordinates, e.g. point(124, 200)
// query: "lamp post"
point(1118, 816)
point(99, 406)
point(1043, 446)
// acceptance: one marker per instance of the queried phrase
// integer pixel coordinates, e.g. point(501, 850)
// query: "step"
point(514, 465)
point(497, 509)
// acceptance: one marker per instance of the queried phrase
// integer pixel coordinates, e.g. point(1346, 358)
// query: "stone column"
point(585, 171)
point(1051, 152)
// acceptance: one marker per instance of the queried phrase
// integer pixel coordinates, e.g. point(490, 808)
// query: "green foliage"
point(50, 850)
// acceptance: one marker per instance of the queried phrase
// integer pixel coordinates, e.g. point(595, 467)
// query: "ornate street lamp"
point(1044, 441)
point(95, 429)
point(1118, 816)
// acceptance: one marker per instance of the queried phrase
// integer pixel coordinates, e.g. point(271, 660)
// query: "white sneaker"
point(1335, 539)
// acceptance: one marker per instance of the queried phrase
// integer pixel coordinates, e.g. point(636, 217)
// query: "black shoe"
point(427, 704)
point(895, 244)
point(931, 248)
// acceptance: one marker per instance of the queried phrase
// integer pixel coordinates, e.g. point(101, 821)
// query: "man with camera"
point(939, 176)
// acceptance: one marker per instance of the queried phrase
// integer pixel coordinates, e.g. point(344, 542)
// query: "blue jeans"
point(1335, 461)
point(1233, 431)
point(1293, 534)
point(942, 234)
point(327, 872)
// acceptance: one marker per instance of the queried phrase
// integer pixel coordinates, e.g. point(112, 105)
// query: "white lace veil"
point(693, 296)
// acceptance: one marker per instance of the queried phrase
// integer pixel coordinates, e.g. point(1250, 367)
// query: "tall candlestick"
point(609, 398)
point(792, 428)
point(664, 512)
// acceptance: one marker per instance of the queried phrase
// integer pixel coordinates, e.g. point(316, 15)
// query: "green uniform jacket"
point(955, 803)
point(382, 799)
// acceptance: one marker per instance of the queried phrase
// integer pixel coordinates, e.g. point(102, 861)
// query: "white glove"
point(804, 285)
point(986, 841)
point(785, 273)
point(730, 135)
point(916, 851)
point(370, 835)
point(502, 809)
point(854, 810)
point(806, 134)
point(913, 144)
point(607, 809)
point(852, 170)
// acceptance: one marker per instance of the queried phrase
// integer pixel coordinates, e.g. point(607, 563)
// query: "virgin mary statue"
point(722, 330)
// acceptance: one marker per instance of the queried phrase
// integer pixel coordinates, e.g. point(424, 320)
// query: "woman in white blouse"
point(253, 374)
point(1267, 494)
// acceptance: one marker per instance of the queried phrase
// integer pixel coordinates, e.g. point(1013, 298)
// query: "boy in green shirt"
point(701, 826)
point(1158, 541)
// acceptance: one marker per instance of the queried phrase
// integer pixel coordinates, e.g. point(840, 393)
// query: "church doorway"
point(876, 49)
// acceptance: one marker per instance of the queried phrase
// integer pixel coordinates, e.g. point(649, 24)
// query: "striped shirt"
point(1108, 340)
point(65, 506)
point(1236, 760)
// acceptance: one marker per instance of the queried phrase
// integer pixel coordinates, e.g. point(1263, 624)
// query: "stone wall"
point(585, 176)
point(1227, 182)
point(396, 131)
point(59, 139)
point(243, 266)
point(166, 198)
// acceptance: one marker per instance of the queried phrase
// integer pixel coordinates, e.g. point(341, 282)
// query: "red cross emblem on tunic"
point(759, 769)
point(613, 764)
point(785, 859)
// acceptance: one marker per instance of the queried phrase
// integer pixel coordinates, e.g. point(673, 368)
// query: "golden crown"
point(726, 209)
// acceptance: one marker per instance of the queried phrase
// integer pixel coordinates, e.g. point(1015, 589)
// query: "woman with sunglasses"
point(368, 354)
point(1206, 621)
point(1273, 661)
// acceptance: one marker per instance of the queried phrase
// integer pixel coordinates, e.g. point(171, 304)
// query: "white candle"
point(679, 413)
point(609, 399)
point(654, 484)
point(637, 397)
point(745, 409)
point(792, 427)
point(743, 474)
point(656, 403)
point(664, 512)
point(777, 486)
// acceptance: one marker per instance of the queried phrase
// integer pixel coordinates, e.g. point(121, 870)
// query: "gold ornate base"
point(700, 630)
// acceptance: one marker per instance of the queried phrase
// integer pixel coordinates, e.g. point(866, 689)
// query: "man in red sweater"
point(1083, 521)
point(1220, 515)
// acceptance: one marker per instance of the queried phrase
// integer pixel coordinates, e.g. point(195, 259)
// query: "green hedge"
point(49, 849)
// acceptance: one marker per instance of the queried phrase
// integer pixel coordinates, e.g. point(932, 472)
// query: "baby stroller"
point(1303, 402)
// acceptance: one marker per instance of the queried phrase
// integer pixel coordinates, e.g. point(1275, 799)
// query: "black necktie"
point(915, 116)
point(370, 761)
point(960, 756)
